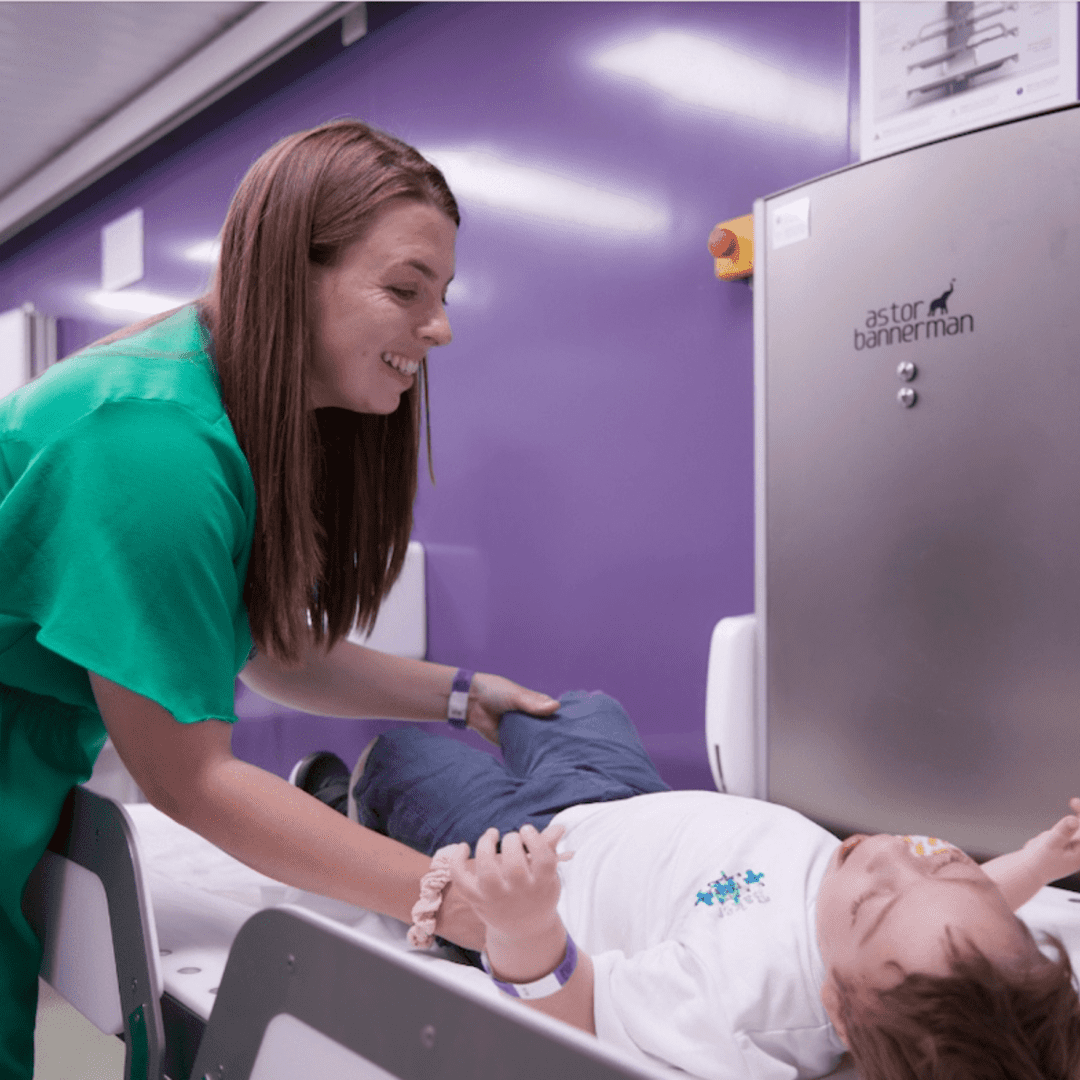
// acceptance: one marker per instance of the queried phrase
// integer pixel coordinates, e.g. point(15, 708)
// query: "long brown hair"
point(335, 488)
point(981, 1022)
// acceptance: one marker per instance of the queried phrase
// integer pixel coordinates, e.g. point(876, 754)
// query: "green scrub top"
point(126, 516)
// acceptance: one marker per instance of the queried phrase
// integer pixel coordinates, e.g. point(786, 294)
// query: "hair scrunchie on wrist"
point(426, 909)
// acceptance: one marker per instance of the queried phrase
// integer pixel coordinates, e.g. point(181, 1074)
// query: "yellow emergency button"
point(731, 244)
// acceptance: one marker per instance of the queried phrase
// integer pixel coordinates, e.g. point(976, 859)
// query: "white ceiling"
point(84, 85)
point(64, 67)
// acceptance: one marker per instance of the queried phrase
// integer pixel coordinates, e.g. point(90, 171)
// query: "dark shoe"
point(325, 776)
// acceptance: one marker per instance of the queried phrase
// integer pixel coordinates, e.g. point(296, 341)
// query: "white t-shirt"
point(698, 911)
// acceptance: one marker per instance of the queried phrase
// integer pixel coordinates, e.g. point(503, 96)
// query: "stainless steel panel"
point(922, 609)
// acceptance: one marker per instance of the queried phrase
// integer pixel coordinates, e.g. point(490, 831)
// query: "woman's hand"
point(456, 918)
point(492, 695)
point(1058, 849)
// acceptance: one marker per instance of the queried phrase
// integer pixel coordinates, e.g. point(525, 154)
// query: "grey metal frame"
point(94, 833)
point(287, 960)
point(761, 626)
point(376, 1004)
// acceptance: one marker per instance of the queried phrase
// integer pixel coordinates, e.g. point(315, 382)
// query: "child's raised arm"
point(1044, 858)
point(515, 893)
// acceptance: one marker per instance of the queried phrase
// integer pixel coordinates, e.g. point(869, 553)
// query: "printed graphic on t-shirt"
point(729, 894)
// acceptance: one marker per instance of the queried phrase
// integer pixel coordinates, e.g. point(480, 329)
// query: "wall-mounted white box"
point(122, 251)
point(14, 350)
point(401, 626)
point(27, 346)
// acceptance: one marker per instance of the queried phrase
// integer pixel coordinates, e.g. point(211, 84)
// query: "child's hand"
point(514, 892)
point(1058, 849)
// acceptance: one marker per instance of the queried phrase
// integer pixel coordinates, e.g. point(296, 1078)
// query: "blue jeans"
point(428, 791)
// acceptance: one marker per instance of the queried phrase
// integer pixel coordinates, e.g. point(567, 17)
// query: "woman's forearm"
point(188, 771)
point(353, 681)
point(277, 829)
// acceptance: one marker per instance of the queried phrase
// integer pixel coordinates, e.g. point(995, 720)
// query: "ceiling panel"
point(84, 86)
point(65, 67)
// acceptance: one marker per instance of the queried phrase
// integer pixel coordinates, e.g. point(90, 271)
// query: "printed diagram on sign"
point(945, 54)
point(729, 894)
point(933, 69)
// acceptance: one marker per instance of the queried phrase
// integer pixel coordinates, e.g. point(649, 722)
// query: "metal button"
point(907, 397)
point(907, 371)
point(427, 1036)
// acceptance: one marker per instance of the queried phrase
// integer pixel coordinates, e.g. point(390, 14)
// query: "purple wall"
point(592, 420)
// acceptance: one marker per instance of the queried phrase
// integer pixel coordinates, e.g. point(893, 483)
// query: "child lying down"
point(725, 936)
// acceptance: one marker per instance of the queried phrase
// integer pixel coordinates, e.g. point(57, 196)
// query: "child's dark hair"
point(984, 1021)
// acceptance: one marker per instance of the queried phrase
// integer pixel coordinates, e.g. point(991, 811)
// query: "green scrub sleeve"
point(126, 539)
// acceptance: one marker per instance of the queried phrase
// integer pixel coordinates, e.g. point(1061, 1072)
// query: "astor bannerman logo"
point(899, 324)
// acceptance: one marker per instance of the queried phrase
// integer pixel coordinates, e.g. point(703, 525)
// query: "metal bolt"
point(907, 371)
point(427, 1036)
point(907, 397)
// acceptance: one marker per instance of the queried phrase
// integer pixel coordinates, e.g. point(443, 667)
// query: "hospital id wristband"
point(541, 988)
point(458, 706)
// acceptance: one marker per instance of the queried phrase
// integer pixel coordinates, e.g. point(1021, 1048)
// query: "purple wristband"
point(545, 987)
point(458, 707)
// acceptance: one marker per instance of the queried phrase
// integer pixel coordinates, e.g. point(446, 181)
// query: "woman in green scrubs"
point(223, 491)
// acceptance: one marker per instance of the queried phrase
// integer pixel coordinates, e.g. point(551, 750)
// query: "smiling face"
point(379, 308)
point(883, 911)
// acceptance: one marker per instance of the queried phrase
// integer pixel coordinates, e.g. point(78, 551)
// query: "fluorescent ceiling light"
point(483, 177)
point(135, 301)
point(714, 76)
point(206, 251)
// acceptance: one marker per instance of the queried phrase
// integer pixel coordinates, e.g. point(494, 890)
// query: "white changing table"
point(206, 971)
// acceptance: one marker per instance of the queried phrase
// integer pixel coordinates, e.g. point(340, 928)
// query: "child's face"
point(882, 912)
